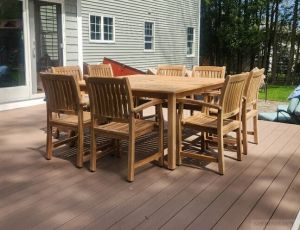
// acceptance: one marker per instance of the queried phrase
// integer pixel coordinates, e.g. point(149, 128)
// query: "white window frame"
point(153, 35)
point(102, 29)
point(193, 47)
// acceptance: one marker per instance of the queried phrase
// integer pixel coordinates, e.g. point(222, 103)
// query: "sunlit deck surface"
point(261, 191)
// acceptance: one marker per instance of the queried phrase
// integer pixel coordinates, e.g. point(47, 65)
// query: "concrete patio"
point(260, 192)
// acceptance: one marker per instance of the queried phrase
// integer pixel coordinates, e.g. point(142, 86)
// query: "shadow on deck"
point(261, 191)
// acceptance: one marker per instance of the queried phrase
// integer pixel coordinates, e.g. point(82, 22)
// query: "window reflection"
point(12, 70)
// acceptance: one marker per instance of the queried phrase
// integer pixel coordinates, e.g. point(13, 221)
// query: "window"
point(149, 36)
point(190, 41)
point(101, 28)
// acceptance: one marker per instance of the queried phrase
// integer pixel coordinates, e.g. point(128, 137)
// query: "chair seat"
point(121, 130)
point(71, 120)
point(208, 123)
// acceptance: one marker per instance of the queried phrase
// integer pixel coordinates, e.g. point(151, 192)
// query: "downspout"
point(79, 35)
point(199, 20)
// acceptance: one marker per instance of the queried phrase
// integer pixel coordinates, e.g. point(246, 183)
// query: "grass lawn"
point(277, 92)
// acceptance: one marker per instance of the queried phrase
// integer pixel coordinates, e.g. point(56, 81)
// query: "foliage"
point(242, 34)
point(277, 93)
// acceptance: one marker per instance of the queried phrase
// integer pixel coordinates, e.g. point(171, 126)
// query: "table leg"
point(171, 131)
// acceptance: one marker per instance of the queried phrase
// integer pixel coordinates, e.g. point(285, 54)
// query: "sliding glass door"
point(30, 42)
point(13, 82)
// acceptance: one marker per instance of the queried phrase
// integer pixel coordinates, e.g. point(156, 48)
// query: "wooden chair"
point(250, 102)
point(63, 97)
point(227, 120)
point(76, 72)
point(171, 70)
point(111, 101)
point(209, 71)
point(68, 70)
point(100, 70)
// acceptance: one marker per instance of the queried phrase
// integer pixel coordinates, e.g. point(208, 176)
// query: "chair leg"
point(93, 159)
point(131, 158)
point(161, 140)
point(221, 153)
point(49, 146)
point(239, 144)
point(245, 137)
point(203, 144)
point(255, 129)
point(117, 147)
point(179, 143)
point(80, 147)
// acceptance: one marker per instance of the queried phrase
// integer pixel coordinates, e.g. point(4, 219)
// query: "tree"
point(293, 40)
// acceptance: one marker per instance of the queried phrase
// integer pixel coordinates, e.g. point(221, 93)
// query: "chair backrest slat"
point(62, 92)
point(101, 70)
point(252, 85)
point(209, 71)
point(171, 70)
point(110, 98)
point(231, 95)
point(68, 70)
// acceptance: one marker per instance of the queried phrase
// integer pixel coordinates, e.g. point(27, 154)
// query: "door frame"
point(30, 45)
point(10, 96)
point(17, 93)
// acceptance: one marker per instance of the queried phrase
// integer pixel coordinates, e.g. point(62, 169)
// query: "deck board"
point(285, 213)
point(261, 191)
point(203, 201)
point(263, 173)
point(264, 208)
point(161, 211)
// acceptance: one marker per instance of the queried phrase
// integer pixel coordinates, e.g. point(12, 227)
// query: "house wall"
point(171, 18)
point(71, 33)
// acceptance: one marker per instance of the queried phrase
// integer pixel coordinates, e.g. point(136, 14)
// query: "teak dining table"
point(170, 88)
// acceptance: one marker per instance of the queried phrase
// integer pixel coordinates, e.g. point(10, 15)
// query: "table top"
point(170, 84)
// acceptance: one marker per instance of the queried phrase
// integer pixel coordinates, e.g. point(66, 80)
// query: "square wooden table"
point(170, 88)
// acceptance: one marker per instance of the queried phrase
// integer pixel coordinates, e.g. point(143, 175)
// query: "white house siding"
point(71, 33)
point(171, 18)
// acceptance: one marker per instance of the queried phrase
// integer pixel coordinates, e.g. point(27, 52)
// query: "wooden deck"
point(261, 192)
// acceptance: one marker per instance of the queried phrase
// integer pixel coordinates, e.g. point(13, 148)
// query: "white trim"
point(296, 224)
point(55, 1)
point(193, 54)
point(102, 41)
point(63, 28)
point(27, 46)
point(199, 28)
point(153, 35)
point(79, 31)
point(21, 104)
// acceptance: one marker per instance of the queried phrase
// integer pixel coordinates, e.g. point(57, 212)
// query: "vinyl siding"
point(171, 18)
point(71, 33)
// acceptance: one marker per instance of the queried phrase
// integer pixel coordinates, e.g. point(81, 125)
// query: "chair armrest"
point(147, 105)
point(212, 93)
point(199, 103)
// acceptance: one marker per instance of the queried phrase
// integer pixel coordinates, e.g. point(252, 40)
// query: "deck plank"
point(285, 213)
point(40, 194)
point(122, 217)
point(202, 202)
point(264, 208)
point(241, 195)
point(163, 206)
point(75, 196)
